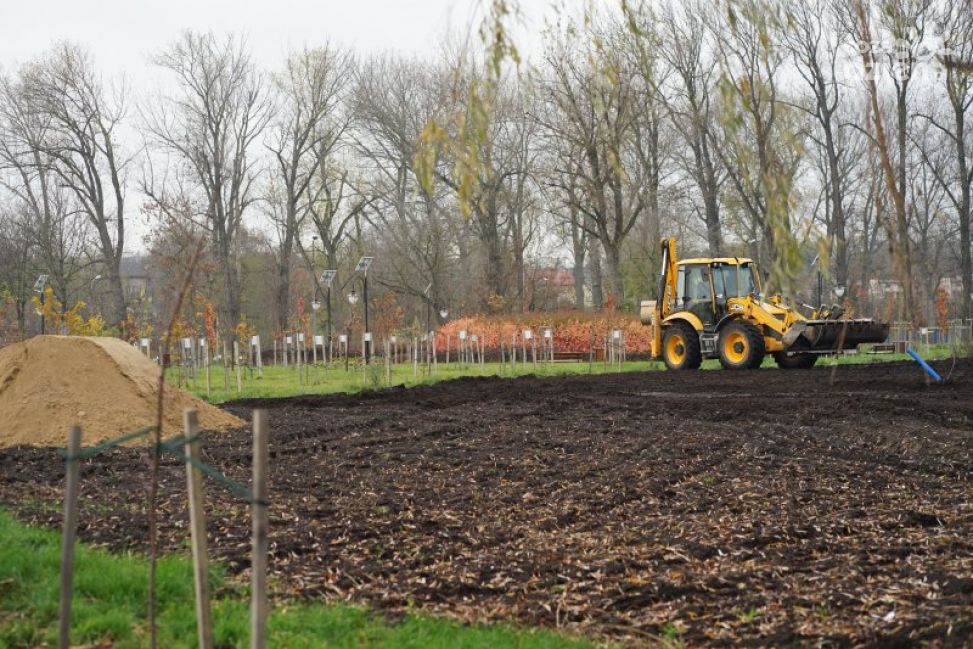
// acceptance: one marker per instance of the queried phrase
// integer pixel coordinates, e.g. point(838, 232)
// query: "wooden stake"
point(258, 563)
point(388, 363)
point(209, 377)
point(197, 529)
point(226, 368)
point(68, 533)
point(236, 361)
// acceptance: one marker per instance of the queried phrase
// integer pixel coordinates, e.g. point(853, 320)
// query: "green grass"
point(110, 595)
point(283, 382)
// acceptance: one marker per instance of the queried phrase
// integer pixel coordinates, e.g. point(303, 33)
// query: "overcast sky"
point(122, 34)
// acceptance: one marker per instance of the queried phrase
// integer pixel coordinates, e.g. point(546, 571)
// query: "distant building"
point(552, 288)
point(135, 275)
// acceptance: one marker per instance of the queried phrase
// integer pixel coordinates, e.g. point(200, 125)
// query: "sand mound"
point(102, 384)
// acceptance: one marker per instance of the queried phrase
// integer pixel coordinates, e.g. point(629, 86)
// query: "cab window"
point(696, 286)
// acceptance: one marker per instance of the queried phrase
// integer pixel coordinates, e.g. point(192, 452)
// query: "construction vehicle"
point(715, 308)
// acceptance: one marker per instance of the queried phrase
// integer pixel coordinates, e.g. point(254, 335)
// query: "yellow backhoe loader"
point(714, 308)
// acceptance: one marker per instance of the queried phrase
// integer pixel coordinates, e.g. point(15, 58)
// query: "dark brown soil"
point(763, 507)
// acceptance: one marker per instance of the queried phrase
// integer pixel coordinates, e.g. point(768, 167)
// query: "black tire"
point(789, 360)
point(741, 346)
point(680, 347)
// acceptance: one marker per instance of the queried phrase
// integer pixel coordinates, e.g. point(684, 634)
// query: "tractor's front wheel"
point(741, 346)
point(793, 359)
point(680, 347)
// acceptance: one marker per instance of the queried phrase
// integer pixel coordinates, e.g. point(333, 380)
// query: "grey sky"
point(123, 33)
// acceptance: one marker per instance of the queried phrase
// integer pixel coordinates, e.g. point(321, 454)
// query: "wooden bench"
point(570, 357)
point(897, 347)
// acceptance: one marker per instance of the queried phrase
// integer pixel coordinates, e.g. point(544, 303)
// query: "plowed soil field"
point(762, 507)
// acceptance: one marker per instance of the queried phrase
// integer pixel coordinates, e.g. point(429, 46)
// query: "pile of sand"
point(102, 384)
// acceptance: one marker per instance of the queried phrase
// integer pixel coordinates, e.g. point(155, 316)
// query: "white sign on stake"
point(616, 334)
point(528, 334)
point(288, 340)
point(187, 343)
point(145, 342)
point(319, 340)
point(547, 333)
point(462, 334)
point(300, 338)
point(255, 341)
point(473, 338)
point(343, 339)
point(368, 337)
point(393, 339)
point(202, 343)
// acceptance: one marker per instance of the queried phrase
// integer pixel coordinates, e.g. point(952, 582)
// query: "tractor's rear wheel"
point(741, 346)
point(680, 347)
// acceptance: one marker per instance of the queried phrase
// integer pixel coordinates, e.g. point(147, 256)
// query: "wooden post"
point(258, 563)
point(447, 351)
point(197, 529)
point(388, 363)
point(226, 368)
point(209, 375)
point(236, 361)
point(73, 463)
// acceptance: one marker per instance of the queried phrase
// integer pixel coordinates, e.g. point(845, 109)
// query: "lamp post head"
point(316, 305)
point(363, 264)
point(444, 313)
point(839, 291)
point(353, 298)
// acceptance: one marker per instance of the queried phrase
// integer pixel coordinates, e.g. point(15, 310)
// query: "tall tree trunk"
point(613, 258)
point(837, 208)
point(579, 250)
point(962, 164)
point(711, 201)
point(597, 283)
point(283, 290)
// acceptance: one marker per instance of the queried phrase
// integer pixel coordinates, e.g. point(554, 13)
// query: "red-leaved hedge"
point(574, 331)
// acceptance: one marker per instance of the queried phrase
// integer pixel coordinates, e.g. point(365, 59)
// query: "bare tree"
point(394, 100)
point(762, 134)
point(955, 22)
point(688, 101)
point(82, 142)
point(211, 128)
point(46, 229)
point(814, 38)
point(897, 228)
point(307, 128)
point(598, 96)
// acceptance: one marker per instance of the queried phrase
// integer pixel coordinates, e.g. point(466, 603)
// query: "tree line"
point(818, 136)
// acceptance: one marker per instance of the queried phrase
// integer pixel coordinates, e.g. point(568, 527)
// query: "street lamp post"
point(362, 273)
point(328, 277)
point(39, 287)
point(315, 306)
point(427, 335)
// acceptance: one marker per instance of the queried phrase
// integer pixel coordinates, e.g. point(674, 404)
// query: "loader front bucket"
point(844, 334)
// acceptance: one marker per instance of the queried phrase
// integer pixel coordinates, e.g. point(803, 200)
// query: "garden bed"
point(831, 505)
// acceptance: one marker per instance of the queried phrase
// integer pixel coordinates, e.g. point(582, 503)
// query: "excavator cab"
point(714, 308)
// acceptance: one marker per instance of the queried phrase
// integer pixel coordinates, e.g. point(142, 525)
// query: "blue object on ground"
point(929, 370)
